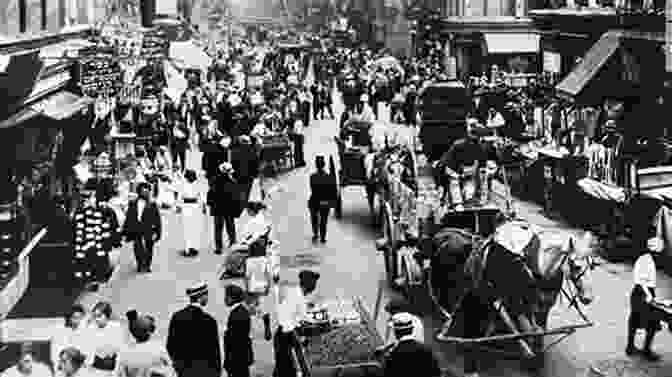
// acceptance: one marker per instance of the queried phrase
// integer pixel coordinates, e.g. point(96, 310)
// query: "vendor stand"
point(340, 339)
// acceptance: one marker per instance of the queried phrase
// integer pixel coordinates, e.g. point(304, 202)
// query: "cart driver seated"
point(461, 163)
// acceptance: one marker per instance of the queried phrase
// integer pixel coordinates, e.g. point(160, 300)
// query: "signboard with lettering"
point(552, 62)
point(100, 77)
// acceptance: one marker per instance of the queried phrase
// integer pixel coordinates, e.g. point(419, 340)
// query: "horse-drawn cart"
point(493, 279)
point(342, 340)
point(498, 291)
point(354, 144)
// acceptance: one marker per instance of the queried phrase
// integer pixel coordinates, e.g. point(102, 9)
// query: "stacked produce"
point(348, 344)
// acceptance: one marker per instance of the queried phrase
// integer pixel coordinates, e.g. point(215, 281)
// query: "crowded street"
point(257, 189)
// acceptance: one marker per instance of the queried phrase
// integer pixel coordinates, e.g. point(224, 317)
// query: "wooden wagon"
point(349, 343)
point(354, 143)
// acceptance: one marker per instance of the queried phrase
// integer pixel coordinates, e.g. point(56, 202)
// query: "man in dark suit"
point(143, 227)
point(409, 357)
point(193, 338)
point(322, 195)
point(238, 353)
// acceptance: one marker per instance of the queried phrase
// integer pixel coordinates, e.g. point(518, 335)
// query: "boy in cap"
point(409, 357)
point(193, 338)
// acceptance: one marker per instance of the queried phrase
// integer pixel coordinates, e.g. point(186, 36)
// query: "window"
point(53, 16)
point(34, 16)
point(9, 17)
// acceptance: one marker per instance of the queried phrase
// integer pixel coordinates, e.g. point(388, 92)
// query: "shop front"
point(40, 136)
point(608, 105)
point(480, 42)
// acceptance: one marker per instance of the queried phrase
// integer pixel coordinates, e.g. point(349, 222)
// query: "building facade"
point(20, 17)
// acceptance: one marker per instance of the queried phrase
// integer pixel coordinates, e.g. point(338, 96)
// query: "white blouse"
point(66, 337)
point(103, 341)
point(256, 227)
point(141, 359)
point(644, 272)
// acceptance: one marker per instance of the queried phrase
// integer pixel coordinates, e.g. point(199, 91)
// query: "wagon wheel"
point(390, 251)
point(338, 209)
point(337, 177)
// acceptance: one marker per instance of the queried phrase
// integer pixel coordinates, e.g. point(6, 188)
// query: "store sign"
point(47, 84)
point(552, 62)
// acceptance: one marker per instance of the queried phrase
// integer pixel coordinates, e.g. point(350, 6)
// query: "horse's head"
point(580, 264)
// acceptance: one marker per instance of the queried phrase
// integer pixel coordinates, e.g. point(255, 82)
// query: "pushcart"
point(349, 344)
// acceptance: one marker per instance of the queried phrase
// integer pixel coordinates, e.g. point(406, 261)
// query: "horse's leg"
point(370, 197)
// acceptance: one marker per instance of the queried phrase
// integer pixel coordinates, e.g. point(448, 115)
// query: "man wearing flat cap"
point(409, 357)
point(193, 338)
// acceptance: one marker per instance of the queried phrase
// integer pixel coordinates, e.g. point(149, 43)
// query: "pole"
point(667, 84)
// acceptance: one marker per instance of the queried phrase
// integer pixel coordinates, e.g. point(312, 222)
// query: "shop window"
point(9, 17)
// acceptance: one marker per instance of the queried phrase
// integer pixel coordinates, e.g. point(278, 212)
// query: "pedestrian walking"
point(409, 357)
point(193, 338)
point(192, 205)
point(238, 352)
point(72, 334)
point(226, 204)
point(298, 139)
point(143, 227)
point(291, 312)
point(146, 357)
point(643, 315)
point(322, 196)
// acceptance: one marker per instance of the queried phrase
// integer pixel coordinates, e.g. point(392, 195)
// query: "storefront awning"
point(512, 43)
point(59, 106)
point(592, 62)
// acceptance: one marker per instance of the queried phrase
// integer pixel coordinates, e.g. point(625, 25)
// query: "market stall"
point(340, 339)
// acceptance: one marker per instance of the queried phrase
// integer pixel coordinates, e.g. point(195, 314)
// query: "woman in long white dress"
point(192, 204)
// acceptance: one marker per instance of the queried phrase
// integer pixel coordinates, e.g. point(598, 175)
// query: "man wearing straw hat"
point(409, 357)
point(193, 338)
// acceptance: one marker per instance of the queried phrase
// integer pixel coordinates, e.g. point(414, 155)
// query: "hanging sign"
point(100, 77)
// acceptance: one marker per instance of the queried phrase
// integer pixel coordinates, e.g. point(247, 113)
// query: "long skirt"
point(284, 343)
point(642, 314)
point(192, 225)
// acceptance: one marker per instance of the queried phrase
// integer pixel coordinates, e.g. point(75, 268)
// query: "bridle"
point(575, 275)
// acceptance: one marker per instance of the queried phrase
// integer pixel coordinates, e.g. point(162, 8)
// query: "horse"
point(521, 266)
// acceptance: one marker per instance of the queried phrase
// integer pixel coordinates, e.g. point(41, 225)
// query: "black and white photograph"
point(308, 188)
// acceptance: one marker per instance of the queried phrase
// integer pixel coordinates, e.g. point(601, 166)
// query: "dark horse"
point(520, 266)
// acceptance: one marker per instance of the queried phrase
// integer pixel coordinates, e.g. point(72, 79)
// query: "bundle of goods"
point(351, 343)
